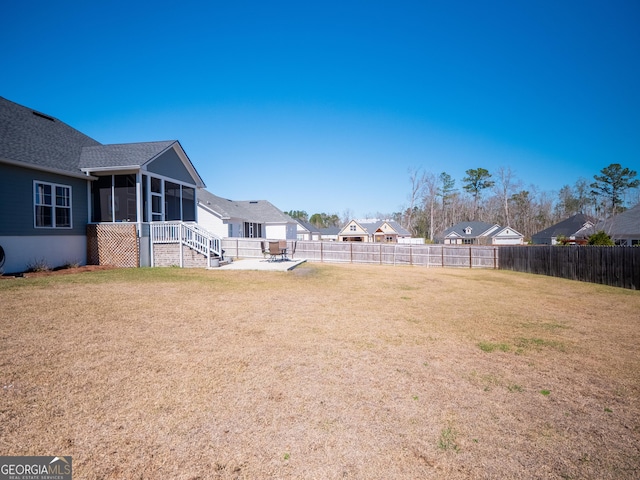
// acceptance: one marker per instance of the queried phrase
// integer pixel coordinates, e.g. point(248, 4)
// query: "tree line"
point(436, 202)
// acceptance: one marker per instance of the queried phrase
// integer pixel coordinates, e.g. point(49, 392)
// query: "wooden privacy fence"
point(614, 266)
point(372, 253)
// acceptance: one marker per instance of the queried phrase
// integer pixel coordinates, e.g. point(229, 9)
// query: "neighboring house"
point(244, 219)
point(306, 231)
point(329, 234)
point(624, 228)
point(574, 230)
point(65, 197)
point(481, 233)
point(380, 231)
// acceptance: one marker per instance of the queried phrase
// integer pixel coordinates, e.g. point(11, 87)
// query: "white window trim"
point(53, 204)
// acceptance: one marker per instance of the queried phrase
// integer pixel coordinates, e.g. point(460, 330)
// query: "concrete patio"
point(262, 264)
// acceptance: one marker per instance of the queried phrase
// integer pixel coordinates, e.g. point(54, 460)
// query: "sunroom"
point(141, 185)
point(141, 182)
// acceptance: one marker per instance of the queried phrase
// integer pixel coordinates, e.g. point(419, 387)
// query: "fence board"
point(615, 266)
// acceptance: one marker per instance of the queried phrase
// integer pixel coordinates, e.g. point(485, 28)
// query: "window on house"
point(52, 205)
point(252, 230)
point(467, 241)
point(156, 200)
point(352, 228)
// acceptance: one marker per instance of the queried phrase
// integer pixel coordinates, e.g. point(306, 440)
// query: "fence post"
point(351, 251)
point(321, 253)
point(495, 258)
point(470, 257)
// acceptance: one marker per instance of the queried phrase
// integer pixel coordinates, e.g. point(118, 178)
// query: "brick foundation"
point(168, 255)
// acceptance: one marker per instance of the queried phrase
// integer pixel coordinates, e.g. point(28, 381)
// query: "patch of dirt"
point(58, 271)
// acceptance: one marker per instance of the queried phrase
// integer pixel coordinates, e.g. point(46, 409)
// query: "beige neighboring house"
point(378, 231)
point(244, 219)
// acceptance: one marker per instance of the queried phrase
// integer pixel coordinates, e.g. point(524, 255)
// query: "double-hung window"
point(52, 205)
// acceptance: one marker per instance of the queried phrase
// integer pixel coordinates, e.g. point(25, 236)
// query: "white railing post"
point(180, 244)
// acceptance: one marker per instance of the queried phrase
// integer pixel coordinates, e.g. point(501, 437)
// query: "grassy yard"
point(324, 372)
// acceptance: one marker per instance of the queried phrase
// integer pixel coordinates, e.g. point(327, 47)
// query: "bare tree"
point(430, 196)
point(446, 191)
point(417, 179)
point(504, 187)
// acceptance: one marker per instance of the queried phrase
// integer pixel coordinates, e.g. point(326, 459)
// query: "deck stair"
point(191, 235)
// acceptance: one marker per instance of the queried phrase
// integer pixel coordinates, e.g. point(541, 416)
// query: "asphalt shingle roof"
point(567, 227)
point(258, 211)
point(122, 155)
point(33, 138)
point(624, 224)
point(372, 227)
point(477, 229)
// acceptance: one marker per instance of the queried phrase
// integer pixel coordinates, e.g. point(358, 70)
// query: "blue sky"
point(325, 106)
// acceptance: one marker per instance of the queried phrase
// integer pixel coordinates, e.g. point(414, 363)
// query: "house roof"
point(308, 226)
point(122, 155)
point(257, 211)
point(567, 228)
point(372, 227)
point(624, 224)
point(329, 231)
point(33, 139)
point(478, 229)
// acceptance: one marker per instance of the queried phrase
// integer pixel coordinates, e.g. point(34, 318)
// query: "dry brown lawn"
point(324, 372)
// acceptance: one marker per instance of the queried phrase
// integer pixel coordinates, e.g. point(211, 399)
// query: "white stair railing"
point(189, 234)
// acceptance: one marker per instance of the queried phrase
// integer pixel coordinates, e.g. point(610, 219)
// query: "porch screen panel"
point(101, 198)
point(124, 194)
point(172, 201)
point(188, 204)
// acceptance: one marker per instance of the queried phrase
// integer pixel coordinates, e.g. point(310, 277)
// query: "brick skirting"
point(168, 255)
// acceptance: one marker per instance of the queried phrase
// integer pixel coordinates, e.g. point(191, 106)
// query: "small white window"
point(352, 228)
point(468, 230)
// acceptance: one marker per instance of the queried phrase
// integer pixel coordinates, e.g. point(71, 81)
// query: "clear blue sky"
point(323, 106)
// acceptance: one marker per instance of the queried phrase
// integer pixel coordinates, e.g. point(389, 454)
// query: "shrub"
point(38, 265)
point(600, 238)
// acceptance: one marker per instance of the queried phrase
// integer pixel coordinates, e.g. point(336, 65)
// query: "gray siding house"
point(244, 218)
point(66, 198)
point(573, 230)
point(624, 228)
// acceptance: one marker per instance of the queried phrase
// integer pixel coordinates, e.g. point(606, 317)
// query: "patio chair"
point(275, 251)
